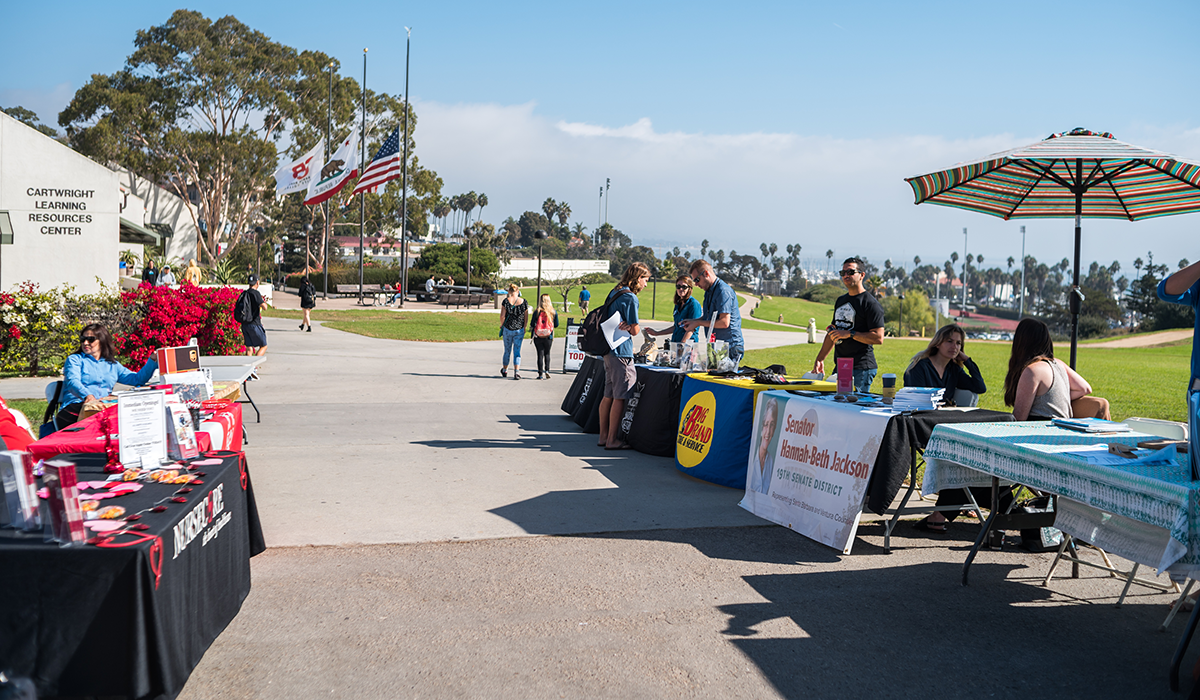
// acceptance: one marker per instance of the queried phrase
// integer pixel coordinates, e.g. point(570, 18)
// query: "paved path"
point(1141, 341)
point(439, 532)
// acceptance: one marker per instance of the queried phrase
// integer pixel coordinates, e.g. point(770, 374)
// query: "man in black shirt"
point(857, 325)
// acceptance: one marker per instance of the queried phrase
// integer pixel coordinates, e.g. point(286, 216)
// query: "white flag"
point(297, 175)
point(342, 166)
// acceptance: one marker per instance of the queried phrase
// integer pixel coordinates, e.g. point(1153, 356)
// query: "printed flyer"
point(809, 464)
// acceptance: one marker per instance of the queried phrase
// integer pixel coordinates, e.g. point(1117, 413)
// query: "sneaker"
point(516, 375)
point(504, 372)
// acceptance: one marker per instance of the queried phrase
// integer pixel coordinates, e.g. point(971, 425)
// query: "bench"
point(373, 291)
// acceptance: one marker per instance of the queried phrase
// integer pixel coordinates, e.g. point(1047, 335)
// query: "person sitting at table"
point(1040, 387)
point(686, 307)
point(93, 372)
point(943, 364)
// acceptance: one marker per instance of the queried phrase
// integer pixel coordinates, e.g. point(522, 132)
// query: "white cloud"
point(738, 190)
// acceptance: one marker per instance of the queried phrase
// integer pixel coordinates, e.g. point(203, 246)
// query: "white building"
point(65, 218)
point(552, 269)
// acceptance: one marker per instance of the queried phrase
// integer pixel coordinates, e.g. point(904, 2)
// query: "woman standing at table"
point(513, 311)
point(686, 307)
point(542, 323)
point(1040, 387)
point(944, 365)
point(93, 372)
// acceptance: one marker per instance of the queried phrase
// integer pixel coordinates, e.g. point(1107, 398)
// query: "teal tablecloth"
point(1031, 454)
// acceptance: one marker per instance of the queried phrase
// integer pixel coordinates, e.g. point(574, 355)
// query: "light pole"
point(307, 233)
point(964, 275)
point(607, 184)
point(467, 234)
point(901, 295)
point(540, 236)
point(1022, 312)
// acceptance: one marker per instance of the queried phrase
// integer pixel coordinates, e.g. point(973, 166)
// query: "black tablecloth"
point(131, 621)
point(651, 418)
point(905, 433)
point(582, 401)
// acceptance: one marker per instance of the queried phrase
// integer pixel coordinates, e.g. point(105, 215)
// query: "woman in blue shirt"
point(93, 371)
point(686, 307)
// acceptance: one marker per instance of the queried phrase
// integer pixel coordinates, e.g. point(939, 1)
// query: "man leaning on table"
point(719, 299)
point(857, 325)
point(1183, 287)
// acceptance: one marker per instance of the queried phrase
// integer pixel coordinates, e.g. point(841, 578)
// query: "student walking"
point(541, 325)
point(308, 302)
point(513, 312)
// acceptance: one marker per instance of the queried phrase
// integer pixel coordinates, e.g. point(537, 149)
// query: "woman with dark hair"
point(93, 372)
point(1040, 387)
point(686, 307)
point(943, 364)
point(308, 301)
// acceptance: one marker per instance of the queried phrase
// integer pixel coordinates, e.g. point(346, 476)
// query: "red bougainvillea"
point(170, 317)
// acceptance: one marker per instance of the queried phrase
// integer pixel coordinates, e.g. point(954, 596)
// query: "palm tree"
point(704, 248)
point(916, 261)
point(468, 205)
point(1137, 265)
point(564, 213)
point(579, 230)
point(1011, 260)
point(828, 260)
point(481, 202)
point(549, 207)
point(874, 282)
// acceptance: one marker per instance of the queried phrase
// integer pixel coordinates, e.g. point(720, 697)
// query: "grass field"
point(1147, 382)
point(32, 408)
point(795, 311)
point(759, 325)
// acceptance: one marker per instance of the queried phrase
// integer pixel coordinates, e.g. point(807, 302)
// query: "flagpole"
point(362, 197)
point(404, 190)
point(325, 235)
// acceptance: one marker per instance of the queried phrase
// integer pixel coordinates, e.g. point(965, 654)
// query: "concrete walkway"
point(439, 532)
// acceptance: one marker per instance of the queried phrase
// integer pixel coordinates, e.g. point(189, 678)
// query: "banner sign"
point(810, 461)
point(573, 360)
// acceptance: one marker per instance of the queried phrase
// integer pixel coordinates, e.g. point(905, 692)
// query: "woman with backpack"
point(542, 324)
point(513, 311)
point(308, 302)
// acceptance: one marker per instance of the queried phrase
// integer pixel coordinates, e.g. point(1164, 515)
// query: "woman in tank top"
point(1038, 386)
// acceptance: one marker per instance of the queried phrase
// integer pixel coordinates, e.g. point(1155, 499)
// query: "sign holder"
point(572, 355)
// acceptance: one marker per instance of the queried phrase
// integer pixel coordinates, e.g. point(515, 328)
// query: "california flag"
point(340, 168)
point(297, 176)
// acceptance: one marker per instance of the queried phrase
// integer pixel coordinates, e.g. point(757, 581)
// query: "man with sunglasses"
point(719, 299)
point(857, 325)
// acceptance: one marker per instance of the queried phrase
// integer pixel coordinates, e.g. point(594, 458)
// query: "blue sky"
point(786, 122)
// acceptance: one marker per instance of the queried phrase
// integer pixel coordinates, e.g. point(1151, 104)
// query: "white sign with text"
point(809, 465)
point(574, 357)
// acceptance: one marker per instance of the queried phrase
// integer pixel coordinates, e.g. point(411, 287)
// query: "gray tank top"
point(1056, 402)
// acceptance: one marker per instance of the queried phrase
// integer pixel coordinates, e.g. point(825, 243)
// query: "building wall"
point(552, 269)
point(161, 206)
point(65, 212)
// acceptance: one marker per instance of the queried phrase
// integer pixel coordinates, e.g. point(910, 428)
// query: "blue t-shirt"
point(1190, 297)
point(721, 298)
point(627, 306)
point(689, 309)
point(584, 295)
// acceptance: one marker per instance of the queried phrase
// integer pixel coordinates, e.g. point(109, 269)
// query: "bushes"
point(823, 293)
point(39, 329)
point(349, 275)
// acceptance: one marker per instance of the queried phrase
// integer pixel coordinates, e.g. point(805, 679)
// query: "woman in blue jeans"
point(513, 314)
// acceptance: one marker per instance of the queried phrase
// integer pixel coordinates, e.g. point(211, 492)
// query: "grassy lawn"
point(795, 311)
point(32, 408)
point(423, 325)
point(1147, 382)
point(759, 325)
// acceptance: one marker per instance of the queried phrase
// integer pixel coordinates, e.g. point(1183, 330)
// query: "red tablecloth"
point(226, 434)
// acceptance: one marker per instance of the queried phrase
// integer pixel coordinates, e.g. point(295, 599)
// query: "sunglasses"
point(849, 273)
point(683, 286)
point(89, 339)
point(696, 280)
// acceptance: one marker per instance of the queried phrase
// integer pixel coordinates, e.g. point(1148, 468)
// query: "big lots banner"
point(810, 461)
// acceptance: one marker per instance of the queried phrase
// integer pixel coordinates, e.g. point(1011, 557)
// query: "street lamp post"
point(540, 236)
point(901, 295)
point(1022, 312)
point(964, 275)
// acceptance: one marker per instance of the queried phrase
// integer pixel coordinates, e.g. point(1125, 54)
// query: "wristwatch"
point(851, 335)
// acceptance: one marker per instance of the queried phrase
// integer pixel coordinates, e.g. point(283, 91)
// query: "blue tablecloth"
point(1032, 454)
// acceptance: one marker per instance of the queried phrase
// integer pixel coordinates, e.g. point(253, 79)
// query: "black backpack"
point(243, 309)
point(591, 336)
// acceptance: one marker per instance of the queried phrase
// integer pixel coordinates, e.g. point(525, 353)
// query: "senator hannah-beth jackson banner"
point(809, 464)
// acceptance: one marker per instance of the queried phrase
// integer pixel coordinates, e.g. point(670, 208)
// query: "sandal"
point(925, 525)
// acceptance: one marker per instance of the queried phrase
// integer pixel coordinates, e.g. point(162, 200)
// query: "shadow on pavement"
point(912, 631)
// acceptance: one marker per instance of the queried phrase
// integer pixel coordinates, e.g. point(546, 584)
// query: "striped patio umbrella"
point(1075, 174)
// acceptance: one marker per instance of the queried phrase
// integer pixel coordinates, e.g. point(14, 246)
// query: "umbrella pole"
point(1074, 298)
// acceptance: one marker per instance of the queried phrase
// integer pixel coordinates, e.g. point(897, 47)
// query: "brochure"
point(181, 434)
point(142, 421)
point(62, 503)
point(20, 491)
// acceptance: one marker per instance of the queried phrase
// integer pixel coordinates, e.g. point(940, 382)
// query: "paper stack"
point(1091, 425)
point(917, 399)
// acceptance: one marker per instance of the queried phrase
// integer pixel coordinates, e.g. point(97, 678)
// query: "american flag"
point(384, 167)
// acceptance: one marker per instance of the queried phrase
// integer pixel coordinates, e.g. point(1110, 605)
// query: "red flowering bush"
point(9, 332)
point(169, 317)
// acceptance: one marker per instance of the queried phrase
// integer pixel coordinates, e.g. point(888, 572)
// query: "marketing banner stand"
point(809, 465)
point(572, 355)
